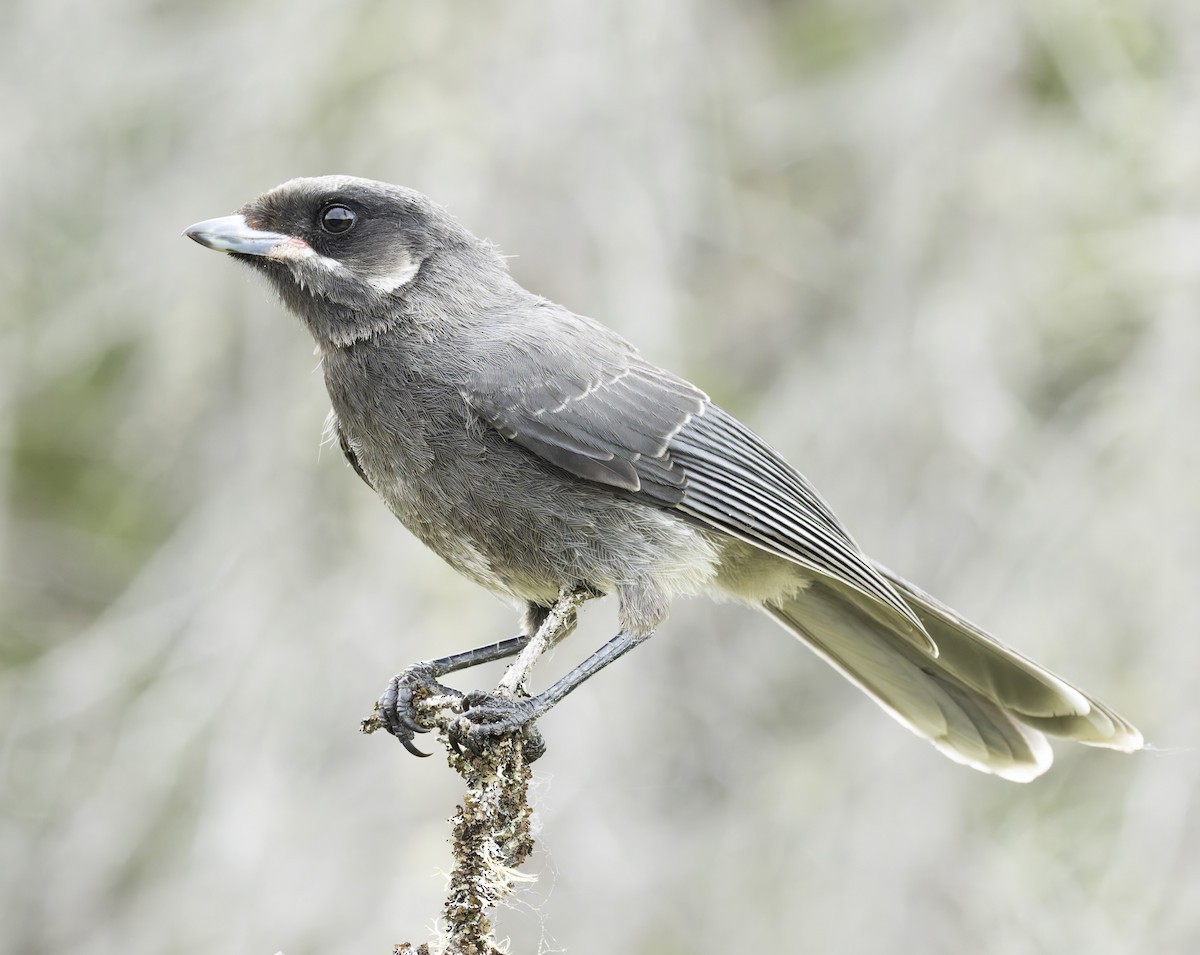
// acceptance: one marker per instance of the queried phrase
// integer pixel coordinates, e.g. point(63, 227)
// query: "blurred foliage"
point(942, 255)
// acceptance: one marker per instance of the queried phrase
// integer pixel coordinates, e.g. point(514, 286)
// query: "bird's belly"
point(437, 515)
point(525, 532)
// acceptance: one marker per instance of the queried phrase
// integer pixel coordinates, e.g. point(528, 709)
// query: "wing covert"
point(594, 408)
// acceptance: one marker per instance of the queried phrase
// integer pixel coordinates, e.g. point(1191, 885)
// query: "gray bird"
point(538, 453)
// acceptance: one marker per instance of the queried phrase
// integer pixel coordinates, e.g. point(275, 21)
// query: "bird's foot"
point(488, 715)
point(397, 708)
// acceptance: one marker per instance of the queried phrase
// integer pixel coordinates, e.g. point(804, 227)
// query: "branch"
point(491, 836)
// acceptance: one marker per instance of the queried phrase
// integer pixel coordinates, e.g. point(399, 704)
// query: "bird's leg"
point(490, 714)
point(559, 620)
point(395, 710)
point(553, 625)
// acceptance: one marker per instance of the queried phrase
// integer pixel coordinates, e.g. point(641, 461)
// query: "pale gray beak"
point(232, 234)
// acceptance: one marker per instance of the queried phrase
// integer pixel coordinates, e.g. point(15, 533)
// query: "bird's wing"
point(601, 412)
point(738, 484)
point(352, 456)
point(608, 422)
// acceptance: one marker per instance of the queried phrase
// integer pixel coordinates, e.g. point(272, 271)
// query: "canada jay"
point(539, 454)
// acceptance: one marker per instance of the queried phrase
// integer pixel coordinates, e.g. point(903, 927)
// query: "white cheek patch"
point(401, 276)
point(296, 251)
point(302, 257)
point(291, 250)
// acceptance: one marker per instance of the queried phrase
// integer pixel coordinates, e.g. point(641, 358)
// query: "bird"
point(539, 454)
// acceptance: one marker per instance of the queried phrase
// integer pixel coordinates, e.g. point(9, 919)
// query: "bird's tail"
point(978, 702)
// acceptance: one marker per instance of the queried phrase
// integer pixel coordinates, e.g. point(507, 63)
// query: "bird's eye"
point(338, 219)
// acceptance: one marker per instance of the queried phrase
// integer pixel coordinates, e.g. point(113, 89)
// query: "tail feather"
point(978, 702)
point(1034, 694)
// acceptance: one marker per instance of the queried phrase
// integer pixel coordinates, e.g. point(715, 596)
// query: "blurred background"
point(943, 255)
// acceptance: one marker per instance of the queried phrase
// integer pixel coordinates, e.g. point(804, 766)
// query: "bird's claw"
point(487, 715)
point(396, 707)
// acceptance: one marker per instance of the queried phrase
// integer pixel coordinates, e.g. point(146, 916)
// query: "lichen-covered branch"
point(491, 836)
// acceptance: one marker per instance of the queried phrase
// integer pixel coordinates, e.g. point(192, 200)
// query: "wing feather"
point(589, 404)
point(610, 422)
point(352, 457)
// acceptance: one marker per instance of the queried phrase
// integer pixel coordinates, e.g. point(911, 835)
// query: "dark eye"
point(338, 219)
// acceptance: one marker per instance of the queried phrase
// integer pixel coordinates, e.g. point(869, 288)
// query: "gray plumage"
point(536, 450)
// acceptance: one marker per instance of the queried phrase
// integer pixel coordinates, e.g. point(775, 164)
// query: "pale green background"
point(944, 255)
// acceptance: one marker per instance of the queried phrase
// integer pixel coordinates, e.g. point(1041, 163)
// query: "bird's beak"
point(233, 234)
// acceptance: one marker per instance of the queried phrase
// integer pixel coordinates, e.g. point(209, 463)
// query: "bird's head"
point(344, 252)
